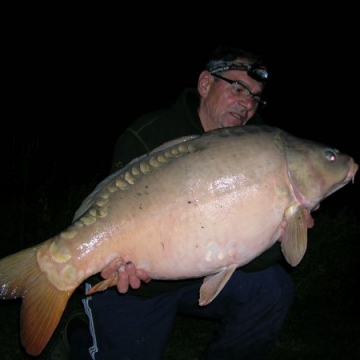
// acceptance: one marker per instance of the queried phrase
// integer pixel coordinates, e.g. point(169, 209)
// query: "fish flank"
point(247, 188)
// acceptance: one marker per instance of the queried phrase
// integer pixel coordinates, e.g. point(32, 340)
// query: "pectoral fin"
point(213, 284)
point(294, 239)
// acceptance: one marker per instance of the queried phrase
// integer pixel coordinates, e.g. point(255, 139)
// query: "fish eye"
point(331, 154)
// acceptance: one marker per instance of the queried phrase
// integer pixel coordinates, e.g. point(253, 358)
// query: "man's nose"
point(247, 102)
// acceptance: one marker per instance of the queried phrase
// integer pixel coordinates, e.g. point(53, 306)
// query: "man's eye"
point(239, 89)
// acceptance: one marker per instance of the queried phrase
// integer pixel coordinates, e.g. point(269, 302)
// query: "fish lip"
point(349, 177)
point(352, 172)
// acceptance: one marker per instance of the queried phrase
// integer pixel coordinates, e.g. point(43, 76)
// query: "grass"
point(323, 322)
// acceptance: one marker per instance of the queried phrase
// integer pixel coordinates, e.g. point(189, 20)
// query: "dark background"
point(75, 76)
point(72, 84)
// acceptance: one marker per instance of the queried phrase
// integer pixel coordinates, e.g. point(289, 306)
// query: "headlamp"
point(256, 71)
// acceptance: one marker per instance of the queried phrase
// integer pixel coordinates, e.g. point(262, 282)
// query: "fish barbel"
point(197, 206)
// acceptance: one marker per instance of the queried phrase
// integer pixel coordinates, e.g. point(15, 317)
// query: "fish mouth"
point(354, 167)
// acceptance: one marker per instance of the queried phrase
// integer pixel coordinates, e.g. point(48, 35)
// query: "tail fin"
point(42, 303)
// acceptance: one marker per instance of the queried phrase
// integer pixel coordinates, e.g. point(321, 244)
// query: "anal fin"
point(213, 284)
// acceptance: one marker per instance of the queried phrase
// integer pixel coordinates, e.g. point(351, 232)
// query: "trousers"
point(251, 309)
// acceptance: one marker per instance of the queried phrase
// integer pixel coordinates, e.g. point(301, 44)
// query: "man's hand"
point(125, 274)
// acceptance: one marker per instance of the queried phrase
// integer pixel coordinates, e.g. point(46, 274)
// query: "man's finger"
point(123, 280)
point(112, 267)
point(143, 275)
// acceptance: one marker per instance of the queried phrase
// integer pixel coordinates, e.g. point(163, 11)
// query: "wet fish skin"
point(196, 206)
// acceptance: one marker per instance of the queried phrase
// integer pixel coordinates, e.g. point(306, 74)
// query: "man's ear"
point(204, 83)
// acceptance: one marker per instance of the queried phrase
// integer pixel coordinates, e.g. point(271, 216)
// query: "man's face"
point(224, 104)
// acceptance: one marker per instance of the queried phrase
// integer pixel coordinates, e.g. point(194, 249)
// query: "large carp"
point(198, 206)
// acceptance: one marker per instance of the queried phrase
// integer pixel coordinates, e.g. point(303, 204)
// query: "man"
point(134, 321)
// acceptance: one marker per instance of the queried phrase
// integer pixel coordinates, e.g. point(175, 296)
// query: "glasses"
point(240, 90)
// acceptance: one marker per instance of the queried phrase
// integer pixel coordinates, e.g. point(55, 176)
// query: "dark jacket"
point(154, 129)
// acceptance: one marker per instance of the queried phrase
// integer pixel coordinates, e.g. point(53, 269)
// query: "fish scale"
point(197, 206)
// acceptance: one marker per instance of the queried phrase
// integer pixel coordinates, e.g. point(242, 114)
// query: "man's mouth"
point(240, 118)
